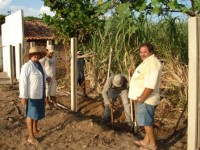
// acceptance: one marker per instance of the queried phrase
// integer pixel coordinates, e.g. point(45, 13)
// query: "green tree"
point(2, 19)
point(80, 18)
point(73, 18)
point(160, 7)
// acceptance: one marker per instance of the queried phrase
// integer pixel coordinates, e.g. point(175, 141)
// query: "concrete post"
point(194, 84)
point(32, 44)
point(20, 55)
point(1, 57)
point(11, 66)
point(49, 42)
point(73, 74)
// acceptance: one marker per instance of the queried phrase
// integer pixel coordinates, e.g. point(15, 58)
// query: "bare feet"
point(139, 143)
point(48, 106)
point(36, 131)
point(56, 106)
point(148, 147)
point(33, 141)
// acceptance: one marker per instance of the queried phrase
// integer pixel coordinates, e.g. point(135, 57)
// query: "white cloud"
point(4, 4)
point(46, 10)
point(27, 11)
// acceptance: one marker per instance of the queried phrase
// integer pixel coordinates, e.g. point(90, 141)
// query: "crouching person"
point(116, 85)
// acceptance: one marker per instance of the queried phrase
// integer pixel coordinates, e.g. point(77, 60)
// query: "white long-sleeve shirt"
point(31, 81)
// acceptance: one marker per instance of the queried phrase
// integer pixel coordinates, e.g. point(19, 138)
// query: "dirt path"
point(62, 129)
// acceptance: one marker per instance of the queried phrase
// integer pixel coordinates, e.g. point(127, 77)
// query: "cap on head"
point(50, 48)
point(118, 80)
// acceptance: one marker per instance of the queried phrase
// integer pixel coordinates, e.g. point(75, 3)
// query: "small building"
point(18, 35)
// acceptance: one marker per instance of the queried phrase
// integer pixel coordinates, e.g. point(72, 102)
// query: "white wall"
point(1, 54)
point(12, 34)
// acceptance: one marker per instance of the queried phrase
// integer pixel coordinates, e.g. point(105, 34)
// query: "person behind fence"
point(80, 72)
point(49, 64)
point(32, 91)
point(144, 89)
point(116, 85)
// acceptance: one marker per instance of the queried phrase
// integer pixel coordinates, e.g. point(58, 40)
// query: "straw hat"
point(118, 80)
point(34, 50)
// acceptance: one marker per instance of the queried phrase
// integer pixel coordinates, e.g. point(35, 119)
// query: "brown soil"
point(63, 129)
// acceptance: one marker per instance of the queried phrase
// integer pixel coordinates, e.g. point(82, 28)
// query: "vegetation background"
point(115, 29)
point(112, 29)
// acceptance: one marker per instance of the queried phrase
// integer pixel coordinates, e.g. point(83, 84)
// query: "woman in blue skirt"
point(32, 91)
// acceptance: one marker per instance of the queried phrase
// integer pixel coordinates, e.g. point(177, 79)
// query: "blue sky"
point(30, 7)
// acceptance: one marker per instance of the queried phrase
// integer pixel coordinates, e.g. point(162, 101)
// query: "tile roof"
point(37, 30)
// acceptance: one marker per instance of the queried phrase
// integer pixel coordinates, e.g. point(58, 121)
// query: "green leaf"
point(171, 5)
point(143, 7)
point(156, 10)
point(154, 2)
point(123, 10)
point(71, 14)
point(185, 9)
point(197, 4)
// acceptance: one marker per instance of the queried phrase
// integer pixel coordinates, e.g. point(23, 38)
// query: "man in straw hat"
point(116, 86)
point(49, 64)
point(32, 91)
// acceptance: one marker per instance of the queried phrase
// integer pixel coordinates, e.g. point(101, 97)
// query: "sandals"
point(33, 141)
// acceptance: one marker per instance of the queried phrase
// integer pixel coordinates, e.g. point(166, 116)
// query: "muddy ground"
point(63, 129)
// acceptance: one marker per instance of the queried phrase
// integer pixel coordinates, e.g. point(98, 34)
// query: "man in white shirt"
point(144, 89)
point(49, 65)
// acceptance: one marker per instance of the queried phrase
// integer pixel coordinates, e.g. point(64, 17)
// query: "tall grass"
point(124, 33)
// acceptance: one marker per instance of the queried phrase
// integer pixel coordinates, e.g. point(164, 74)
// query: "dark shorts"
point(80, 78)
point(145, 114)
point(35, 109)
point(80, 81)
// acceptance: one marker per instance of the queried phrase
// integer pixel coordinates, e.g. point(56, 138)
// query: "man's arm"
point(23, 85)
point(23, 102)
point(106, 88)
point(42, 61)
point(145, 94)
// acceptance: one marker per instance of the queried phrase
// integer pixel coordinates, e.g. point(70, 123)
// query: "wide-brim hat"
point(118, 80)
point(34, 50)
